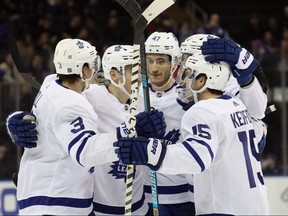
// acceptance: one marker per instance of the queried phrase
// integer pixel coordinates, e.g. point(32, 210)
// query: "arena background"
point(39, 25)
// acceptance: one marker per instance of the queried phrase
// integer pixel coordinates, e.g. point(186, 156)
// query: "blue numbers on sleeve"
point(201, 130)
point(78, 125)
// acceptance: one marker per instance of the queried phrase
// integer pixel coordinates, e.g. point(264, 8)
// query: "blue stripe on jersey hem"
point(216, 214)
point(176, 189)
point(55, 201)
point(191, 188)
point(106, 209)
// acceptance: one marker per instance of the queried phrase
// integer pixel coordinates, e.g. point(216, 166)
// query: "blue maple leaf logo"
point(80, 44)
point(172, 136)
point(119, 170)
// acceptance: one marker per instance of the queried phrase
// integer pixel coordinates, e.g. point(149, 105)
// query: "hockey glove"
point(21, 128)
point(148, 124)
point(141, 151)
point(240, 60)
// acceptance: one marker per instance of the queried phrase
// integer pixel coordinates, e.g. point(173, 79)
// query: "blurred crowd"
point(39, 25)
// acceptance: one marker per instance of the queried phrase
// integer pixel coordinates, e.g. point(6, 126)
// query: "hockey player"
point(162, 95)
point(162, 57)
point(219, 147)
point(109, 182)
point(243, 85)
point(61, 186)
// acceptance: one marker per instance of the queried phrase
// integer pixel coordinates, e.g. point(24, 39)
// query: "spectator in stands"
point(7, 69)
point(284, 42)
point(270, 165)
point(214, 27)
point(266, 46)
point(252, 31)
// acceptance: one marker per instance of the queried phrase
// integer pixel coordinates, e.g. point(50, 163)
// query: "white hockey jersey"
point(56, 177)
point(252, 96)
point(172, 189)
point(220, 149)
point(109, 178)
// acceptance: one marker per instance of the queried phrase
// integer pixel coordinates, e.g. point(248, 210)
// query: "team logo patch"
point(91, 170)
point(117, 48)
point(119, 170)
point(172, 136)
point(235, 104)
point(80, 44)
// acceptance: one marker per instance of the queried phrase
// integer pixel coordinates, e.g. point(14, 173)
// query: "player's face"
point(159, 68)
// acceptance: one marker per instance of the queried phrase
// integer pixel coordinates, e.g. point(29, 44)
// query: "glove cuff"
point(156, 153)
point(244, 81)
point(122, 131)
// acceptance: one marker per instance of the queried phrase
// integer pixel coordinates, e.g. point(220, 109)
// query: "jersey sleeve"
point(76, 129)
point(252, 96)
point(254, 99)
point(199, 146)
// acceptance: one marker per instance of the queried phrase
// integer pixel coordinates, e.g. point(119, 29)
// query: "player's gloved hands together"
point(22, 131)
point(240, 60)
point(149, 124)
point(141, 151)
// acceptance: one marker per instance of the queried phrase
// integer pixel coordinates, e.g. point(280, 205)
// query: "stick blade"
point(156, 8)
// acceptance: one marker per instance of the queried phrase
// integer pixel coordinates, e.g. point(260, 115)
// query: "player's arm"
point(199, 147)
point(254, 95)
point(78, 133)
point(245, 69)
point(193, 155)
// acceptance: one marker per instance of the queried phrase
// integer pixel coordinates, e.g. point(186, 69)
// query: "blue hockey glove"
point(141, 151)
point(185, 106)
point(148, 124)
point(240, 60)
point(22, 130)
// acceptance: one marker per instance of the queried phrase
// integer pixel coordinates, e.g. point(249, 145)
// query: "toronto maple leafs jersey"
point(220, 150)
point(172, 189)
point(56, 177)
point(252, 96)
point(109, 179)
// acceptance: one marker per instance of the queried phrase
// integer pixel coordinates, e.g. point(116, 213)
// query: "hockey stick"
point(12, 45)
point(270, 109)
point(141, 21)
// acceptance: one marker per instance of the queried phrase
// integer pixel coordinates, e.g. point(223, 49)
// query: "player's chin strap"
point(121, 86)
point(86, 81)
point(196, 92)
